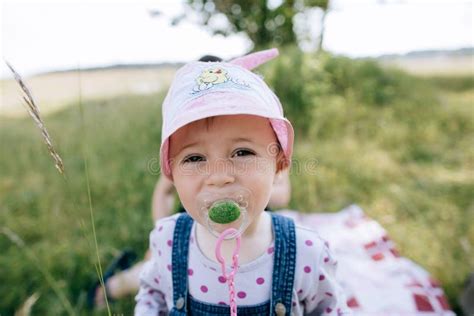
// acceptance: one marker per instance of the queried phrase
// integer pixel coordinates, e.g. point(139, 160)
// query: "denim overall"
point(282, 282)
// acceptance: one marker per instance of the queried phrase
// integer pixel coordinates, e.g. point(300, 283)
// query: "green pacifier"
point(224, 212)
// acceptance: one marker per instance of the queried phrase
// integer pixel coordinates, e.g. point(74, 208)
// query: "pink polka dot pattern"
point(308, 244)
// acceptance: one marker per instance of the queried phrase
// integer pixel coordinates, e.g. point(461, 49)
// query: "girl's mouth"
point(224, 211)
point(221, 211)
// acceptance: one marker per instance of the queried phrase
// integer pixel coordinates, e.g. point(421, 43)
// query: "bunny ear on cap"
point(254, 60)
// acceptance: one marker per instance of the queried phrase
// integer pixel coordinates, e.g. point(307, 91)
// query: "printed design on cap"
point(211, 77)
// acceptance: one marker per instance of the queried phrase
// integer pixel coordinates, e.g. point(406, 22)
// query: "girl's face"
point(223, 154)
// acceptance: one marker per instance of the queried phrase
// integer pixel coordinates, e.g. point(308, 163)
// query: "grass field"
point(405, 155)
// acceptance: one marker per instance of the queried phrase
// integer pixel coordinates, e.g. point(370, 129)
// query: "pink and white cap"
point(205, 89)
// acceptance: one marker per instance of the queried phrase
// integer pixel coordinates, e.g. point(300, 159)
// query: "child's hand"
point(163, 198)
point(166, 185)
point(281, 192)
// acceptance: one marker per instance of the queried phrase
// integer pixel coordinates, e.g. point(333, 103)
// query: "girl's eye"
point(243, 152)
point(237, 153)
point(193, 159)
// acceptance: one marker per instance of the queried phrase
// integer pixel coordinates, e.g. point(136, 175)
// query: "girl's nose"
point(220, 174)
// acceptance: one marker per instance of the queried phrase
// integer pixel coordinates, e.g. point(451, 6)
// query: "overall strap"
point(179, 261)
point(283, 265)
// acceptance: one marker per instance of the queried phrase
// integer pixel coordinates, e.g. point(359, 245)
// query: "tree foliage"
point(265, 23)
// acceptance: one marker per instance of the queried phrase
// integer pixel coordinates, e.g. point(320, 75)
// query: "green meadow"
point(398, 145)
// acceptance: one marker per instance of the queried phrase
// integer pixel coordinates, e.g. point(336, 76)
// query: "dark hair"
point(209, 58)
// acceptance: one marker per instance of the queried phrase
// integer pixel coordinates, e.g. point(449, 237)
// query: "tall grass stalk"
point(98, 266)
point(34, 112)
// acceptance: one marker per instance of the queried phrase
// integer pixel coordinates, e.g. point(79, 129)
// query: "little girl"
point(224, 138)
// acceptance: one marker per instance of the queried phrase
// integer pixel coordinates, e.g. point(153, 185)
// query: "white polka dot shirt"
point(315, 288)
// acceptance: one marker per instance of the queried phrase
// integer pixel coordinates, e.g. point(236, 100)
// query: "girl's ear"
point(278, 176)
point(281, 161)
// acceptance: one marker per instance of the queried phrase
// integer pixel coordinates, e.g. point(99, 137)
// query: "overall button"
point(180, 303)
point(280, 309)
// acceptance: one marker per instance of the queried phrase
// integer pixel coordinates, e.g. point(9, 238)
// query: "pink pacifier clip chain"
point(235, 264)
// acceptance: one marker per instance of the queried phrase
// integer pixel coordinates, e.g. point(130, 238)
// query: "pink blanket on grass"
point(376, 279)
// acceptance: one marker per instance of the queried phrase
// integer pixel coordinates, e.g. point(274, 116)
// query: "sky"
point(52, 35)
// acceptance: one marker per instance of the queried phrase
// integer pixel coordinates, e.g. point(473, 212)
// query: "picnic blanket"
point(377, 280)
